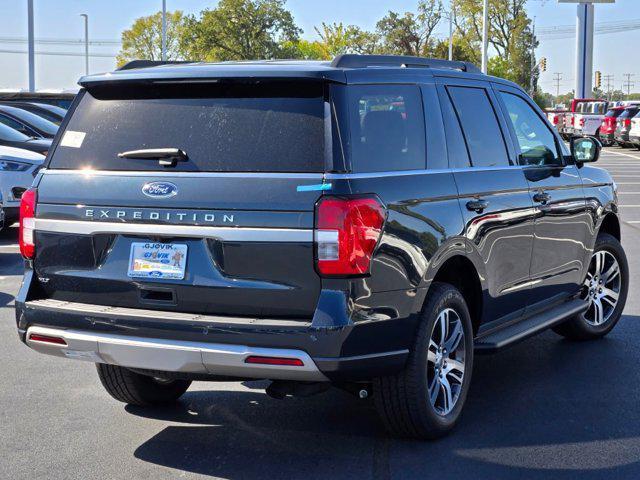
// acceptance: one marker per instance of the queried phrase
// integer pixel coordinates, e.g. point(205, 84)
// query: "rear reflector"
point(35, 337)
point(292, 362)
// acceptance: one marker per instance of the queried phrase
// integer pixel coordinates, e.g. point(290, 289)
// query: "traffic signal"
point(543, 64)
point(598, 79)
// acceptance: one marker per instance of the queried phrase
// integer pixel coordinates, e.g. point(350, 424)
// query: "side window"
point(387, 128)
point(537, 143)
point(10, 122)
point(480, 126)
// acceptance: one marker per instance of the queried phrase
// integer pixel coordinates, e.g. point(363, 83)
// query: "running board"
point(516, 332)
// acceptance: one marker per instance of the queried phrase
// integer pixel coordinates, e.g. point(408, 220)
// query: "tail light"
point(555, 119)
point(582, 122)
point(627, 122)
point(573, 120)
point(347, 232)
point(27, 223)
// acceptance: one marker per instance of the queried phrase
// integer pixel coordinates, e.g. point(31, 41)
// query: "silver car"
point(18, 167)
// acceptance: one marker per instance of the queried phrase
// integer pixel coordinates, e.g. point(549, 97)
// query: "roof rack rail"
point(150, 63)
point(364, 61)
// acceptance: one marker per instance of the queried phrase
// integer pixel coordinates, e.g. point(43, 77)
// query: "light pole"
point(485, 35)
point(451, 35)
point(86, 42)
point(164, 30)
point(31, 41)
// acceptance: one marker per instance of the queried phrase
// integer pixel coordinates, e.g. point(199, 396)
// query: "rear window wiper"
point(167, 157)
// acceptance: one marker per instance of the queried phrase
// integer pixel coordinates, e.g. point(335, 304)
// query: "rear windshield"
point(629, 113)
point(225, 127)
point(614, 113)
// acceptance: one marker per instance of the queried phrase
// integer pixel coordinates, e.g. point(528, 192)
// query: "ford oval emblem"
point(160, 189)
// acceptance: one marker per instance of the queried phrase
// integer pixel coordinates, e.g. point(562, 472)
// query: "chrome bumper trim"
point(231, 234)
point(174, 356)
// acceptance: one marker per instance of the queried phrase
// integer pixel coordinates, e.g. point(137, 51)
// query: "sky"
point(614, 53)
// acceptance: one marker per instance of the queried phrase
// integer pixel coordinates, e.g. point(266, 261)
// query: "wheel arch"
point(462, 273)
point(611, 224)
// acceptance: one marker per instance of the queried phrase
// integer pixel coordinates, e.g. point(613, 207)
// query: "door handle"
point(478, 205)
point(542, 197)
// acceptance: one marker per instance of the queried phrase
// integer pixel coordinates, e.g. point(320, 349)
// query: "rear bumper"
point(216, 346)
point(173, 356)
point(634, 139)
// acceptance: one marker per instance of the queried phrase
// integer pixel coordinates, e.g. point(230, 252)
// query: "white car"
point(634, 132)
point(18, 167)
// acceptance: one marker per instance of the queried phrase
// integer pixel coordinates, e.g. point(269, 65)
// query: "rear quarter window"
point(386, 128)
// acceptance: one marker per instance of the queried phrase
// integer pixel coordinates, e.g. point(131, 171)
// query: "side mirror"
point(585, 149)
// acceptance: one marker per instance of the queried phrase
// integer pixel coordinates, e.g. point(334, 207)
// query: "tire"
point(587, 326)
point(135, 389)
point(403, 401)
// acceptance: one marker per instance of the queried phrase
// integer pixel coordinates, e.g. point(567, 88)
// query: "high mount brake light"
point(347, 232)
point(27, 223)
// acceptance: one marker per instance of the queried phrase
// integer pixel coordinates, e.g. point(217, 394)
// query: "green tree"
point(410, 33)
point(143, 41)
point(242, 30)
point(461, 50)
point(510, 36)
point(339, 39)
point(305, 50)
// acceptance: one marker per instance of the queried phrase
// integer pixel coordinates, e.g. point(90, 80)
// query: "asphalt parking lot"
point(547, 408)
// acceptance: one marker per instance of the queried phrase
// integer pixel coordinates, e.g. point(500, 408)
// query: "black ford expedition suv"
point(369, 223)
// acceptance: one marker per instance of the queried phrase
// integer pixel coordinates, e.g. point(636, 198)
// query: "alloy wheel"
point(446, 361)
point(602, 287)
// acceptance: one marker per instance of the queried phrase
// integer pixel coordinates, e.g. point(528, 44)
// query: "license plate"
point(157, 260)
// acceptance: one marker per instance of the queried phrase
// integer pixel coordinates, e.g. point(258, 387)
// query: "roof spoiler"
point(364, 61)
point(150, 63)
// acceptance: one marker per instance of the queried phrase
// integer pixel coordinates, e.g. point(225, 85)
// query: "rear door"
point(223, 228)
point(562, 222)
point(494, 199)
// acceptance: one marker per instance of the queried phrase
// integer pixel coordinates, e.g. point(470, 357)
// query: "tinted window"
point(629, 113)
point(8, 134)
point(32, 119)
point(265, 127)
point(613, 113)
point(10, 122)
point(537, 143)
point(480, 127)
point(386, 128)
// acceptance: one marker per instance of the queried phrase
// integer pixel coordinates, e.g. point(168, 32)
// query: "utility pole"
point(31, 41)
point(608, 80)
point(164, 30)
point(485, 35)
point(86, 42)
point(533, 59)
point(557, 77)
point(628, 83)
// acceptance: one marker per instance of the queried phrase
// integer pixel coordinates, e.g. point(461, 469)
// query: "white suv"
point(18, 167)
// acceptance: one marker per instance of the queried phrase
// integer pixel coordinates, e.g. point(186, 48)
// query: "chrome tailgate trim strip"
point(230, 234)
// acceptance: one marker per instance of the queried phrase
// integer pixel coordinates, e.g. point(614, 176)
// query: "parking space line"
point(623, 154)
